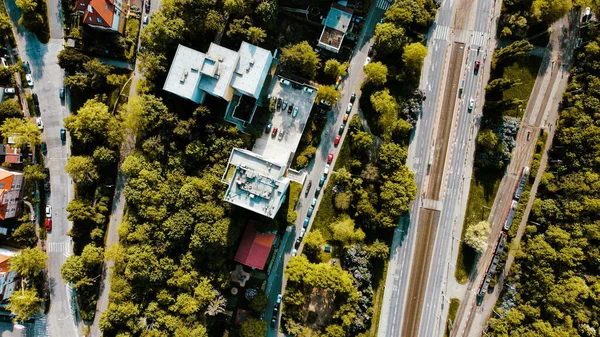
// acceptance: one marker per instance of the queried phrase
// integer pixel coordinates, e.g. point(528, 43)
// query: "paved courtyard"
point(274, 148)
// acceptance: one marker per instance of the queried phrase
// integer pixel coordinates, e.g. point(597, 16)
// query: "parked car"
point(326, 103)
point(302, 231)
point(284, 106)
point(341, 130)
point(367, 60)
point(298, 242)
point(10, 91)
point(306, 221)
point(274, 133)
point(317, 191)
point(471, 103)
point(27, 67)
point(61, 93)
point(314, 202)
point(337, 140)
point(274, 320)
point(36, 102)
point(326, 170)
point(329, 158)
point(48, 225)
point(147, 6)
point(40, 123)
point(308, 188)
point(290, 108)
point(268, 128)
point(338, 81)
point(294, 251)
point(146, 20)
point(346, 117)
point(353, 98)
point(477, 64)
point(349, 108)
point(279, 101)
point(279, 298)
point(29, 79)
point(528, 135)
point(63, 134)
point(281, 134)
point(44, 148)
point(322, 181)
point(48, 211)
point(295, 112)
point(310, 212)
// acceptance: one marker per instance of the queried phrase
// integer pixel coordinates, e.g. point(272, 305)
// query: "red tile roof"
point(254, 248)
point(99, 12)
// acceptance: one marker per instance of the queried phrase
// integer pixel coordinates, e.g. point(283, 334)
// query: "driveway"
point(48, 78)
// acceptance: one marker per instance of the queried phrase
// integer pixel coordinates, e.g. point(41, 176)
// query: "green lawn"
point(295, 189)
point(482, 192)
point(524, 70)
point(454, 304)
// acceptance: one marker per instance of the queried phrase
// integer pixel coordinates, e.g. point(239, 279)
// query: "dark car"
point(297, 243)
point(36, 103)
point(352, 98)
point(47, 180)
point(63, 134)
point(27, 67)
point(274, 133)
point(370, 52)
point(273, 322)
point(290, 108)
point(310, 211)
point(308, 188)
point(48, 224)
point(477, 64)
point(268, 128)
point(306, 220)
point(44, 148)
point(341, 131)
point(61, 93)
point(148, 6)
point(279, 102)
point(317, 191)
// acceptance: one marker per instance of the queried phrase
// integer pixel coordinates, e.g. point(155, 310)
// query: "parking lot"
point(279, 148)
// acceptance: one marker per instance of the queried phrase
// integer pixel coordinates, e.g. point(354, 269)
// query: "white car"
point(48, 211)
point(367, 60)
point(326, 170)
point(302, 231)
point(146, 20)
point(349, 108)
point(29, 80)
point(294, 252)
point(471, 103)
point(40, 123)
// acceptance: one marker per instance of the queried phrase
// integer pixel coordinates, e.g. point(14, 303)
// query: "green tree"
point(413, 56)
point(164, 32)
point(22, 131)
point(82, 170)
point(266, 12)
point(391, 156)
point(476, 236)
point(343, 201)
point(510, 52)
point(488, 140)
point(29, 262)
point(93, 124)
point(501, 84)
point(81, 210)
point(34, 173)
point(259, 303)
point(362, 141)
point(314, 240)
point(328, 93)
point(27, 5)
point(10, 109)
point(104, 156)
point(378, 250)
point(549, 11)
point(5, 25)
point(384, 103)
point(152, 65)
point(78, 83)
point(253, 327)
point(398, 191)
point(334, 68)
point(25, 235)
point(215, 21)
point(343, 231)
point(72, 60)
point(376, 73)
point(235, 7)
point(24, 303)
point(256, 35)
point(389, 38)
point(334, 331)
point(300, 58)
point(238, 28)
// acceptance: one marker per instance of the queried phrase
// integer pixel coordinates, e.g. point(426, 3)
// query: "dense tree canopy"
point(301, 59)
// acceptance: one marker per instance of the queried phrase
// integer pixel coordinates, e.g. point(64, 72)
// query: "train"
point(511, 214)
point(522, 181)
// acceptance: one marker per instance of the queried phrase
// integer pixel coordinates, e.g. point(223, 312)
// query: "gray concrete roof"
point(184, 73)
point(252, 63)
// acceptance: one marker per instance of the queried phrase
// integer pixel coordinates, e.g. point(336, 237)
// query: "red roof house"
point(254, 248)
point(102, 14)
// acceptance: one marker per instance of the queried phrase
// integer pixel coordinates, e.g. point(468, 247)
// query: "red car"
point(274, 133)
point(477, 63)
point(329, 158)
point(337, 140)
point(48, 224)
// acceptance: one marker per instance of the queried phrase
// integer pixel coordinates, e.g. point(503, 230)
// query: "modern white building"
point(220, 72)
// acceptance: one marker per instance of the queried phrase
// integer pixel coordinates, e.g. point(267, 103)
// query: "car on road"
point(329, 158)
point(61, 93)
point(63, 134)
point(290, 108)
point(302, 231)
point(146, 20)
point(274, 321)
point(27, 67)
point(36, 103)
point(44, 148)
point(310, 212)
point(308, 188)
point(274, 133)
point(281, 134)
point(314, 202)
point(338, 81)
point(296, 109)
point(297, 243)
point(317, 191)
point(471, 103)
point(279, 298)
point(528, 135)
point(346, 117)
point(326, 170)
point(147, 6)
point(268, 128)
point(353, 98)
point(370, 52)
point(279, 101)
point(48, 211)
point(294, 251)
point(349, 108)
point(337, 140)
point(341, 130)
point(29, 79)
point(367, 61)
point(40, 123)
point(48, 225)
point(322, 181)
point(306, 221)
point(477, 64)
point(10, 91)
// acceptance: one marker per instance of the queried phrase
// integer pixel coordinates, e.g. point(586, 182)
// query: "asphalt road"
point(48, 78)
point(351, 84)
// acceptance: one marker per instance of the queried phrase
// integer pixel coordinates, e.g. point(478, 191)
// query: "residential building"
point(235, 76)
point(105, 15)
point(8, 279)
point(255, 183)
point(11, 193)
point(255, 247)
point(336, 26)
point(11, 154)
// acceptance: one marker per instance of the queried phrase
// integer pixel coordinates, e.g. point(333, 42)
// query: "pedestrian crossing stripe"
point(441, 33)
point(478, 39)
point(384, 4)
point(59, 247)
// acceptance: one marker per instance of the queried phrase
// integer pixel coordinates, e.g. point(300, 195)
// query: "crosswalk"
point(441, 33)
point(384, 4)
point(59, 247)
point(478, 39)
point(40, 328)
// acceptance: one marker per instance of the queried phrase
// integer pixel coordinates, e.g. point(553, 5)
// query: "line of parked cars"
point(276, 308)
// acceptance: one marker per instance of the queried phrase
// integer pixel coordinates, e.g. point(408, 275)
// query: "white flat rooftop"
point(252, 63)
point(217, 69)
point(184, 73)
